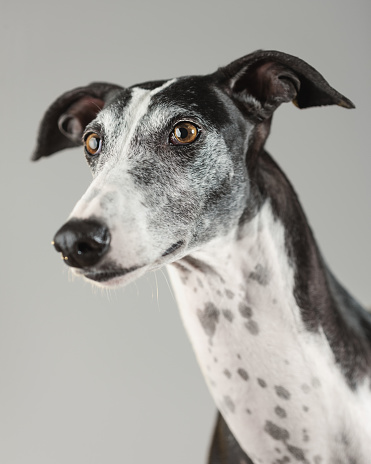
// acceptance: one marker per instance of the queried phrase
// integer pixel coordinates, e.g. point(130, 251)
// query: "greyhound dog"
point(182, 179)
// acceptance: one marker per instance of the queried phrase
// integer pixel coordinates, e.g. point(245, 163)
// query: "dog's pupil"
point(181, 132)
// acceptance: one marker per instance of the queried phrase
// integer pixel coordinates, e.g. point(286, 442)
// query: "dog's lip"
point(108, 274)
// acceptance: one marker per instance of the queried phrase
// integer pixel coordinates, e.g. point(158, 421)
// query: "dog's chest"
point(248, 361)
point(276, 385)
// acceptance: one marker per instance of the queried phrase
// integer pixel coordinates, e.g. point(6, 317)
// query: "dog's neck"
point(257, 323)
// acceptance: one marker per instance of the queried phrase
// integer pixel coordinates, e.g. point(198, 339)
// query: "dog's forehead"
point(194, 94)
point(198, 92)
point(159, 102)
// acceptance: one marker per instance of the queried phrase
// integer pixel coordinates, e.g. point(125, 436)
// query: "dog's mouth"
point(173, 248)
point(107, 275)
point(112, 274)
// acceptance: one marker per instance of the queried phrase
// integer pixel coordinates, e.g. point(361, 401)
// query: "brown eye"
point(184, 133)
point(93, 144)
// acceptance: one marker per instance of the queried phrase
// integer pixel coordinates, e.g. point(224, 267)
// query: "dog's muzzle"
point(83, 243)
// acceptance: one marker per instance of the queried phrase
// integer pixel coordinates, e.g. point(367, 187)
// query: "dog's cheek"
point(222, 188)
point(172, 213)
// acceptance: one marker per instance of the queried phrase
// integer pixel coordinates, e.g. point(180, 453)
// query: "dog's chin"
point(112, 278)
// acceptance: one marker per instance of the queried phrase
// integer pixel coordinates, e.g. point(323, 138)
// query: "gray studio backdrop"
point(89, 377)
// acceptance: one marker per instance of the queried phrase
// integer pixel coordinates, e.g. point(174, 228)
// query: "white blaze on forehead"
point(137, 108)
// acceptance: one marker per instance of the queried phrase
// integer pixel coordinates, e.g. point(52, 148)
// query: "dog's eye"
point(93, 144)
point(184, 133)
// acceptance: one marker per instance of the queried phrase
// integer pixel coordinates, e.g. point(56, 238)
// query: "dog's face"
point(171, 160)
point(168, 173)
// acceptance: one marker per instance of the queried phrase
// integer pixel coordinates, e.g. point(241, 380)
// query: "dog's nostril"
point(82, 243)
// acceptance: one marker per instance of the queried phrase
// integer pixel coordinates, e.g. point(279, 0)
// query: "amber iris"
point(93, 144)
point(184, 132)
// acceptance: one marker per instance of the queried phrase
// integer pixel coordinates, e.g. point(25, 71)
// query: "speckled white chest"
point(275, 383)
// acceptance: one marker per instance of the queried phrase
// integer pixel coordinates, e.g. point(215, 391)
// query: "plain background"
point(89, 377)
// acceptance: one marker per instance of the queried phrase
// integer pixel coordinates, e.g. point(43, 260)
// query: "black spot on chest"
point(252, 327)
point(276, 432)
point(260, 275)
point(245, 311)
point(209, 318)
point(229, 294)
point(282, 392)
point(243, 374)
point(229, 403)
point(262, 383)
point(228, 315)
point(298, 453)
point(280, 412)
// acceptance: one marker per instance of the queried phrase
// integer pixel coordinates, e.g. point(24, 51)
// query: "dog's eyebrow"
point(164, 115)
point(94, 126)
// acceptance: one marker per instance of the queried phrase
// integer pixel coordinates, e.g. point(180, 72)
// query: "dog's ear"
point(65, 120)
point(272, 78)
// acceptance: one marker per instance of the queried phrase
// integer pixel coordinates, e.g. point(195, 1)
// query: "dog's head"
point(172, 161)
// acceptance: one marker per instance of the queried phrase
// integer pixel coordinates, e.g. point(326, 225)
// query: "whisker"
point(168, 284)
point(158, 305)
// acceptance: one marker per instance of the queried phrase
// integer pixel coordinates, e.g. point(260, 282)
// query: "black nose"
point(82, 242)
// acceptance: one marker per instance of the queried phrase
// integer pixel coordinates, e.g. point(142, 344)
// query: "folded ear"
point(65, 120)
point(272, 78)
